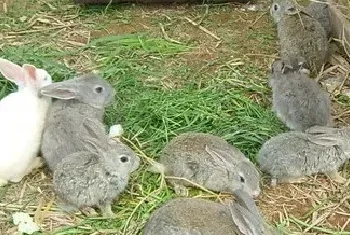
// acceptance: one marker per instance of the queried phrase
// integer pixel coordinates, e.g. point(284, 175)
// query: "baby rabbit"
point(195, 216)
point(298, 101)
point(77, 112)
point(303, 40)
point(209, 161)
point(21, 121)
point(96, 177)
point(320, 10)
point(289, 157)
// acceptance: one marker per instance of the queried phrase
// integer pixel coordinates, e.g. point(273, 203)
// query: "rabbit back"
point(65, 128)
point(21, 123)
point(302, 37)
point(209, 161)
point(320, 11)
point(190, 216)
point(299, 101)
point(292, 154)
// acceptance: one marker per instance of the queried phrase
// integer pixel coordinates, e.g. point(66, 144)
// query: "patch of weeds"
point(264, 38)
point(133, 54)
point(166, 113)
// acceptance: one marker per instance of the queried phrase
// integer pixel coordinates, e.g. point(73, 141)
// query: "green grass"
point(153, 115)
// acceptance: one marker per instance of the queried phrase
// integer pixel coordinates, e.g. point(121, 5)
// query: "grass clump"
point(155, 116)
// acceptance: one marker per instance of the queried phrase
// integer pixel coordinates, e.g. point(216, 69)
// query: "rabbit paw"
point(68, 208)
point(107, 211)
point(293, 180)
point(89, 212)
point(180, 190)
point(37, 163)
point(3, 182)
point(335, 176)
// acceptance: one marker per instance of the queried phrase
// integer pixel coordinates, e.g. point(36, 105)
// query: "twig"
point(41, 30)
point(204, 15)
point(165, 35)
point(343, 82)
point(257, 19)
point(203, 29)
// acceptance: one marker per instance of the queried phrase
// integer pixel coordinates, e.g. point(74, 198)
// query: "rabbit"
point(320, 11)
point(195, 216)
point(22, 120)
point(303, 40)
point(76, 112)
point(291, 156)
point(298, 101)
point(94, 177)
point(207, 160)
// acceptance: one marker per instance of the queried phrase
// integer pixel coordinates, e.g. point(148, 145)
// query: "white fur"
point(116, 131)
point(22, 116)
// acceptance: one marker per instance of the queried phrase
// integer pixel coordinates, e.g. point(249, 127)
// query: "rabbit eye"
point(275, 7)
point(242, 179)
point(124, 159)
point(99, 89)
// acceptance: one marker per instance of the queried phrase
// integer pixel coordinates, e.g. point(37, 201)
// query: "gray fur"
point(77, 112)
point(194, 216)
point(303, 40)
point(96, 177)
point(209, 161)
point(293, 155)
point(320, 11)
point(298, 101)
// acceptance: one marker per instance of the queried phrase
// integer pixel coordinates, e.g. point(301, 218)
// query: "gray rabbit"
point(298, 101)
point(194, 216)
point(207, 160)
point(320, 11)
point(303, 40)
point(76, 113)
point(291, 156)
point(96, 177)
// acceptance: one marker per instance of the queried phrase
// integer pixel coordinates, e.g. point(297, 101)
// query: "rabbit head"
point(280, 69)
point(122, 153)
point(242, 175)
point(87, 88)
point(117, 158)
point(280, 8)
point(27, 76)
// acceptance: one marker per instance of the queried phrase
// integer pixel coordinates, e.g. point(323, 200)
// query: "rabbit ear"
point(245, 222)
point(31, 70)
point(96, 131)
point(325, 139)
point(246, 201)
point(12, 72)
point(320, 130)
point(218, 156)
point(60, 90)
point(94, 145)
point(292, 10)
point(286, 68)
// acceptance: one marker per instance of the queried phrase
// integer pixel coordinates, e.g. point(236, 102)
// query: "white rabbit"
point(21, 121)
